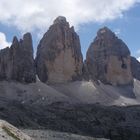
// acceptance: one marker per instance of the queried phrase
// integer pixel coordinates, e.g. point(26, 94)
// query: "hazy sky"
point(35, 16)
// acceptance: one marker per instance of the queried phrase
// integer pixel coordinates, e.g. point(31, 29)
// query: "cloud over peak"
point(29, 15)
point(3, 42)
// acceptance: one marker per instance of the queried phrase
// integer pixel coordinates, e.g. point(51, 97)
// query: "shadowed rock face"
point(59, 58)
point(16, 62)
point(108, 59)
point(135, 68)
point(5, 64)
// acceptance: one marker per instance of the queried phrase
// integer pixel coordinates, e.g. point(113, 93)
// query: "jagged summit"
point(108, 40)
point(15, 39)
point(27, 35)
point(27, 38)
point(106, 32)
point(60, 19)
point(104, 29)
point(17, 62)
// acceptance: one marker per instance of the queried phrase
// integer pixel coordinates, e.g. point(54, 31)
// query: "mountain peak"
point(15, 40)
point(108, 59)
point(105, 31)
point(27, 36)
point(60, 19)
point(18, 60)
point(59, 58)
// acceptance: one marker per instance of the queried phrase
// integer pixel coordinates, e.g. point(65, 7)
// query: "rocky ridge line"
point(17, 62)
point(59, 58)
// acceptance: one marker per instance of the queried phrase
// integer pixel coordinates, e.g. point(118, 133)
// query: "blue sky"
point(35, 16)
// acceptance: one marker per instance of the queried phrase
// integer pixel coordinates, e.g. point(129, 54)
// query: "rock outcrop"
point(135, 68)
point(17, 62)
point(59, 58)
point(9, 132)
point(108, 59)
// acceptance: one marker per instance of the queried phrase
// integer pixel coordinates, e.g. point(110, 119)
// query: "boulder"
point(9, 132)
point(59, 58)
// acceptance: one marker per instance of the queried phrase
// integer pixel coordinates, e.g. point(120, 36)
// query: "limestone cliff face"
point(59, 58)
point(135, 68)
point(108, 59)
point(5, 64)
point(17, 62)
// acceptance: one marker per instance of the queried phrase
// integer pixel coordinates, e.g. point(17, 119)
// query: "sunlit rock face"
point(59, 58)
point(108, 59)
point(17, 62)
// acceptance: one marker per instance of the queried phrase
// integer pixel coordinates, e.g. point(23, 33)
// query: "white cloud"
point(138, 59)
point(28, 15)
point(3, 42)
point(117, 31)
